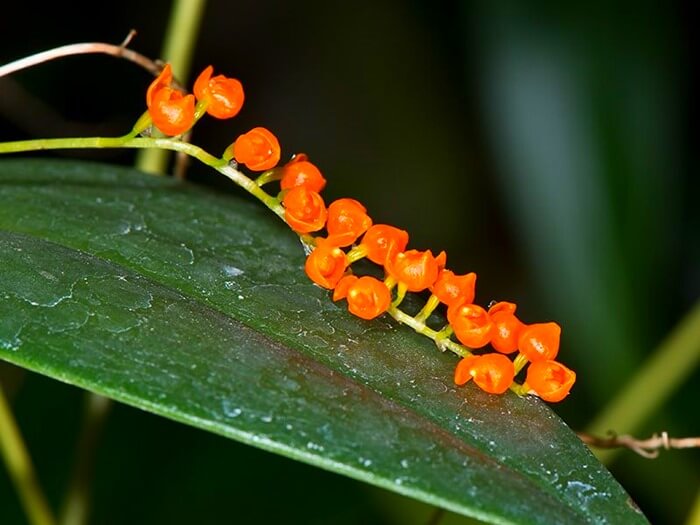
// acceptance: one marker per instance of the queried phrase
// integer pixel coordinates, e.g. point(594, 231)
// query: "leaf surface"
point(194, 305)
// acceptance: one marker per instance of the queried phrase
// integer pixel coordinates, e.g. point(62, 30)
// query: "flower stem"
point(20, 468)
point(431, 304)
point(519, 362)
point(420, 327)
point(144, 143)
point(400, 295)
point(269, 176)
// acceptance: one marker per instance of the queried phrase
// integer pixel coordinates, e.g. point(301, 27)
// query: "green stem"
point(421, 328)
point(694, 515)
point(20, 467)
point(430, 305)
point(519, 362)
point(357, 253)
point(180, 37)
point(400, 295)
point(436, 517)
point(143, 143)
point(269, 176)
point(76, 505)
point(669, 366)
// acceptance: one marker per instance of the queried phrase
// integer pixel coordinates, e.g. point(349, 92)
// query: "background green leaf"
point(194, 306)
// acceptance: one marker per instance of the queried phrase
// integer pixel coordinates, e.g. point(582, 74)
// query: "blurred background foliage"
point(544, 145)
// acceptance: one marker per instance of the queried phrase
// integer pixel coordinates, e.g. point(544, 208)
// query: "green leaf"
point(194, 306)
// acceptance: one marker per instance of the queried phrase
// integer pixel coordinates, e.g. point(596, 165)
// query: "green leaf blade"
point(194, 306)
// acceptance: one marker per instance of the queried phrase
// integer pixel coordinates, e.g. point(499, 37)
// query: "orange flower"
point(380, 238)
point(258, 149)
point(304, 210)
point(471, 324)
point(164, 80)
point(416, 270)
point(302, 173)
point(223, 95)
point(449, 288)
point(550, 380)
point(493, 373)
point(347, 220)
point(540, 341)
point(171, 111)
point(341, 289)
point(507, 327)
point(326, 265)
point(463, 371)
point(368, 298)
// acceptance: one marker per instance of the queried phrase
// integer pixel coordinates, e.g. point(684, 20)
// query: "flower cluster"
point(348, 226)
point(174, 112)
point(351, 235)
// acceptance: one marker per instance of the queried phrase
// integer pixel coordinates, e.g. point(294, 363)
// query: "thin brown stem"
point(86, 48)
point(648, 448)
point(80, 49)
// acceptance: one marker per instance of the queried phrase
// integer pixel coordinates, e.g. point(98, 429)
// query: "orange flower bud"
point(471, 324)
point(326, 265)
point(450, 288)
point(258, 149)
point(540, 341)
point(302, 173)
point(379, 238)
point(341, 289)
point(507, 327)
point(165, 79)
point(463, 371)
point(304, 210)
point(171, 111)
point(368, 298)
point(417, 270)
point(347, 220)
point(493, 373)
point(550, 380)
point(224, 95)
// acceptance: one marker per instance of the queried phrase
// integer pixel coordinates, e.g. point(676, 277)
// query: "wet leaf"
point(194, 306)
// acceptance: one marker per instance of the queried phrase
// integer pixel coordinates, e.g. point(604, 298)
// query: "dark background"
point(544, 145)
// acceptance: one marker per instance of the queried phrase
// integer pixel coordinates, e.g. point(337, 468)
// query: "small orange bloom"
point(171, 111)
point(471, 324)
point(164, 80)
point(550, 380)
point(450, 288)
point(463, 371)
point(224, 95)
point(493, 373)
point(326, 265)
point(304, 210)
point(368, 298)
point(258, 149)
point(302, 173)
point(507, 327)
point(540, 341)
point(347, 220)
point(416, 270)
point(380, 238)
point(341, 289)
